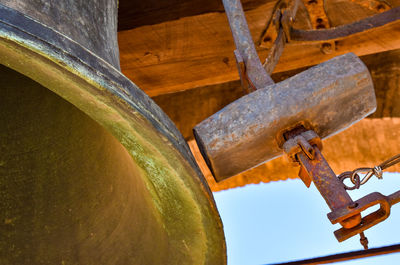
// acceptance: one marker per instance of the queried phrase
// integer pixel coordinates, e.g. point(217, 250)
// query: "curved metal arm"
point(245, 45)
point(379, 20)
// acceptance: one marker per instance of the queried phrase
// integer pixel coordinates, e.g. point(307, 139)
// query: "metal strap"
point(369, 23)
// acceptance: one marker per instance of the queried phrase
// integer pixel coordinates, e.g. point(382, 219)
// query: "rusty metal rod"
point(245, 45)
point(394, 198)
point(346, 256)
point(319, 35)
point(330, 187)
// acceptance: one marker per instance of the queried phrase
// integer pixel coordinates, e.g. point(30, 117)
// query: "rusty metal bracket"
point(282, 20)
point(252, 73)
point(322, 34)
point(250, 67)
point(277, 33)
point(361, 205)
point(302, 143)
point(315, 168)
point(245, 80)
point(340, 32)
point(303, 147)
point(319, 20)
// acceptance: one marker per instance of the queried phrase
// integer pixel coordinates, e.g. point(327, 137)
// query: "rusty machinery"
point(292, 116)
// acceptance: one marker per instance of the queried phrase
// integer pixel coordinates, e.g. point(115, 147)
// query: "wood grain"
point(197, 51)
point(190, 107)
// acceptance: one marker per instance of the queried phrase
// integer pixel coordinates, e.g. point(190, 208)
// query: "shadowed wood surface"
point(136, 13)
point(197, 51)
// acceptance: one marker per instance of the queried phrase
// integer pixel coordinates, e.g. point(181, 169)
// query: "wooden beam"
point(197, 51)
point(136, 13)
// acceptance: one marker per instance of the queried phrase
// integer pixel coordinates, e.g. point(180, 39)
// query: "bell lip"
point(23, 37)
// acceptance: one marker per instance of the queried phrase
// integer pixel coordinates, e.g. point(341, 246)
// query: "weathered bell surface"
point(91, 170)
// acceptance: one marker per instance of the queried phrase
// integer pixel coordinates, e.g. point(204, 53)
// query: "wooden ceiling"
point(181, 54)
point(197, 50)
point(136, 13)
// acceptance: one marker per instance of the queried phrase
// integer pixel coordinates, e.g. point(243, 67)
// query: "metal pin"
point(364, 240)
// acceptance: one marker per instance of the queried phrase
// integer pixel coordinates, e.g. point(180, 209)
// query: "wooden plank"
point(178, 55)
point(197, 51)
point(136, 13)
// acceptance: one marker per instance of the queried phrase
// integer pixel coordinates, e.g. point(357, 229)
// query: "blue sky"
point(284, 221)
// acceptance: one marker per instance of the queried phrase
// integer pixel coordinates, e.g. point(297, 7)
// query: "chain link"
point(368, 173)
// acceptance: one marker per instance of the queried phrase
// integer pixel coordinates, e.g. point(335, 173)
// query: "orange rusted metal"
point(314, 168)
point(361, 205)
point(319, 20)
point(330, 187)
point(314, 165)
point(321, 31)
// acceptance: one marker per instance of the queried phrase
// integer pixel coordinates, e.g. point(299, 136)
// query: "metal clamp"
point(359, 206)
point(321, 35)
point(302, 143)
point(314, 168)
point(251, 71)
point(303, 148)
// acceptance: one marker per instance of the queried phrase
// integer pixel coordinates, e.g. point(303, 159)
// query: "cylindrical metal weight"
point(326, 98)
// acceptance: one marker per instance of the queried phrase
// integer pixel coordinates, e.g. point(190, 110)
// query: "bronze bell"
point(91, 170)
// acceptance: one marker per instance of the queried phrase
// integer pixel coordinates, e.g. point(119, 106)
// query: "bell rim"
point(24, 38)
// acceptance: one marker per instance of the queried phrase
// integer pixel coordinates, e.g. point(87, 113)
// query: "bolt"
point(380, 8)
point(267, 39)
point(352, 205)
point(364, 240)
point(326, 48)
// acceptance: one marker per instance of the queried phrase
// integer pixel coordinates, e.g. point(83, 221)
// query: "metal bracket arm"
point(367, 221)
point(303, 147)
point(299, 36)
